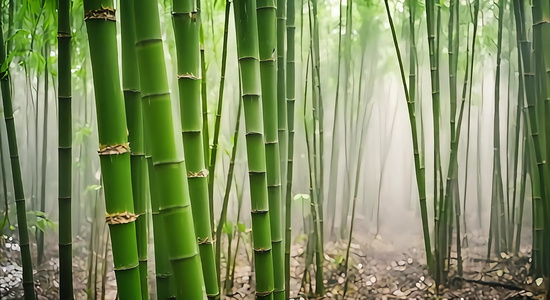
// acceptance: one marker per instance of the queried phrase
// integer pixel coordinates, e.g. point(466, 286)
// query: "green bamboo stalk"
point(451, 189)
point(498, 193)
point(6, 218)
point(541, 29)
point(310, 208)
point(204, 90)
point(433, 27)
point(334, 152)
point(134, 118)
point(519, 24)
point(545, 45)
point(204, 106)
point(413, 53)
point(169, 166)
point(525, 165)
point(445, 225)
point(164, 279)
point(358, 170)
point(290, 102)
point(469, 117)
point(231, 278)
point(223, 214)
point(217, 124)
point(419, 171)
point(317, 147)
point(282, 122)
point(186, 30)
point(348, 120)
point(113, 145)
point(538, 178)
point(229, 262)
point(452, 46)
point(44, 158)
point(246, 26)
point(538, 217)
point(11, 10)
point(474, 35)
point(318, 115)
point(510, 143)
point(517, 136)
point(65, 150)
point(267, 39)
point(26, 260)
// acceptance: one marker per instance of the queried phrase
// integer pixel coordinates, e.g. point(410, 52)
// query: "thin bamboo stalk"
point(217, 124)
point(317, 145)
point(419, 171)
point(334, 152)
point(282, 122)
point(290, 102)
point(5, 85)
point(225, 203)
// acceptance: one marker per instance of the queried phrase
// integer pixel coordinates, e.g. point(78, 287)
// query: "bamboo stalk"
point(186, 30)
point(44, 157)
point(217, 124)
point(26, 260)
point(419, 171)
point(282, 122)
point(290, 102)
point(134, 117)
point(113, 145)
point(317, 147)
point(225, 203)
point(267, 38)
point(169, 165)
point(246, 27)
point(64, 134)
point(334, 152)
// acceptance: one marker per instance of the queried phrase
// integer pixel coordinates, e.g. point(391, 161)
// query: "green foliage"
point(38, 219)
point(241, 227)
point(228, 228)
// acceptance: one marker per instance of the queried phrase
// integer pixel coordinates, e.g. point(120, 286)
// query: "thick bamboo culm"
point(249, 69)
point(186, 30)
point(114, 151)
point(65, 151)
point(169, 166)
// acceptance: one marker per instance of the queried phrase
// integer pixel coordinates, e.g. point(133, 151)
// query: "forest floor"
point(378, 270)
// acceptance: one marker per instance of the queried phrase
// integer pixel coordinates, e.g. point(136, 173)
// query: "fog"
point(387, 206)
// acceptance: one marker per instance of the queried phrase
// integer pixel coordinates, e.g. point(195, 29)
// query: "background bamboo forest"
point(274, 149)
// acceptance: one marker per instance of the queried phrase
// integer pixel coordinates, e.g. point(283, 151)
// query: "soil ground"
point(378, 270)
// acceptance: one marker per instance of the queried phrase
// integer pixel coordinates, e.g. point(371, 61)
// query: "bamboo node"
point(200, 174)
point(263, 294)
point(63, 35)
point(189, 76)
point(206, 241)
point(113, 149)
point(105, 13)
point(120, 218)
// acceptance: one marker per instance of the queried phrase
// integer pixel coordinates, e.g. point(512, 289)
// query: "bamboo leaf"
point(228, 228)
point(241, 227)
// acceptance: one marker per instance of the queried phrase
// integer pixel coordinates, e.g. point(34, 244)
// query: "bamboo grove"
point(345, 115)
